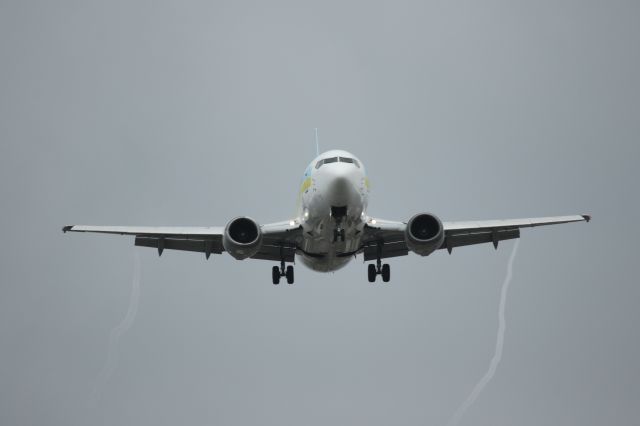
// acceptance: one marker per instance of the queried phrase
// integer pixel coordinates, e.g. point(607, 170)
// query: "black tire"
point(275, 275)
point(371, 272)
point(386, 272)
point(289, 274)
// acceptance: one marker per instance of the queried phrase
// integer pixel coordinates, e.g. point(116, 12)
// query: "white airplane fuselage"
point(332, 205)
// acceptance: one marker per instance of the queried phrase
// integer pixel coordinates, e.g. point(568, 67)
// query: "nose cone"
point(342, 189)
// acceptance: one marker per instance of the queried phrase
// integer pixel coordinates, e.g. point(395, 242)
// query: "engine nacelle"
point(242, 237)
point(424, 234)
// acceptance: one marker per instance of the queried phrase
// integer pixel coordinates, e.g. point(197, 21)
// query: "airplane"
point(331, 227)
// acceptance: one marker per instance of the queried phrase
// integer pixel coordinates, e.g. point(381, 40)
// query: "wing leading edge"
point(386, 238)
point(382, 239)
point(279, 239)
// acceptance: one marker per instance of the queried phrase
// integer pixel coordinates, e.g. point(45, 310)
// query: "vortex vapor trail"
point(497, 356)
point(117, 332)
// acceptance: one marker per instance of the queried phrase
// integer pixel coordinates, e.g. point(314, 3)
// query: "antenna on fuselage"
point(317, 144)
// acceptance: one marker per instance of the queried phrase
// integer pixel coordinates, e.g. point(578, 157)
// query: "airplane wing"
point(388, 237)
point(279, 239)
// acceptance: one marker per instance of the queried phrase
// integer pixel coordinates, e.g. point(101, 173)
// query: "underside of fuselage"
point(326, 263)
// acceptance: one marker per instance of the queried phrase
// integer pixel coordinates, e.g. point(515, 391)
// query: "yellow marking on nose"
point(305, 185)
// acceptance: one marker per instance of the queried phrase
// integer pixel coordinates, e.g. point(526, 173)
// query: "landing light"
point(373, 221)
point(292, 223)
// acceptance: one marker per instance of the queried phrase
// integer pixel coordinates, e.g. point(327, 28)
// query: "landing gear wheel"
point(386, 272)
point(371, 272)
point(289, 274)
point(275, 275)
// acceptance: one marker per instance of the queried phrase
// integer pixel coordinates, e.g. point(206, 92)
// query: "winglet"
point(67, 228)
point(587, 217)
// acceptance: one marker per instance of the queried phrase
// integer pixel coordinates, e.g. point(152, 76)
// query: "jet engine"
point(242, 238)
point(424, 234)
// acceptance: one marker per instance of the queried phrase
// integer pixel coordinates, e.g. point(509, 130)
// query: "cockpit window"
point(337, 159)
point(349, 160)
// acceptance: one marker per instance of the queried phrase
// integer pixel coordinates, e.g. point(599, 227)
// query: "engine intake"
point(242, 237)
point(424, 234)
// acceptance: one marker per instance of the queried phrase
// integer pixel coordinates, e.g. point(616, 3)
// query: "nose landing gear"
point(338, 213)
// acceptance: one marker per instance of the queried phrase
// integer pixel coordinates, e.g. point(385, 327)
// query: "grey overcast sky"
point(192, 112)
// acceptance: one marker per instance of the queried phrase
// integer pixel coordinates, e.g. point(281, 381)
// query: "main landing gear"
point(379, 269)
point(338, 213)
point(277, 272)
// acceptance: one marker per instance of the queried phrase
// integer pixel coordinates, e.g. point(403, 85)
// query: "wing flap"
point(271, 252)
point(161, 243)
point(469, 238)
point(393, 249)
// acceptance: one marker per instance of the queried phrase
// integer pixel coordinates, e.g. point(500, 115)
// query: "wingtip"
point(67, 228)
point(587, 217)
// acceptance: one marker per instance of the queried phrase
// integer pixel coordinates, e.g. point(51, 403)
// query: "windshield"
point(337, 159)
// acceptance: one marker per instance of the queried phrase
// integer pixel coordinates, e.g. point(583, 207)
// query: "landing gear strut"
point(277, 272)
point(379, 269)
